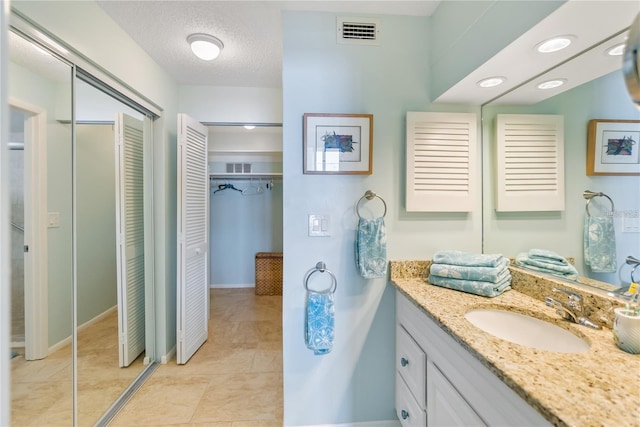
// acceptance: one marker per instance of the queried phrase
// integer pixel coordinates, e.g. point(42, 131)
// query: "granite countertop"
point(598, 387)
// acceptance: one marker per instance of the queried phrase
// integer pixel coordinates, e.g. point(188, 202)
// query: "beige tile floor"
point(233, 380)
point(41, 392)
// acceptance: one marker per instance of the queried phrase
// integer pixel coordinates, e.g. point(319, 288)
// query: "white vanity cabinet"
point(438, 383)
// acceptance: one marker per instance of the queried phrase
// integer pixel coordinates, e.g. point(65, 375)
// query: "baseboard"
point(388, 423)
point(232, 285)
point(167, 357)
point(60, 344)
point(98, 318)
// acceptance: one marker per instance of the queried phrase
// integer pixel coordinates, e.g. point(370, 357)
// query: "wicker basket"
point(269, 273)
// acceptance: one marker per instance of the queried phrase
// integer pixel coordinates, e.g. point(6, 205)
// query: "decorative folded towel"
point(567, 271)
point(485, 274)
point(319, 322)
point(477, 287)
point(547, 256)
point(467, 259)
point(600, 244)
point(371, 248)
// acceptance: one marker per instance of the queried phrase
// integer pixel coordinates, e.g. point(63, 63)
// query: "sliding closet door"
point(130, 237)
point(193, 240)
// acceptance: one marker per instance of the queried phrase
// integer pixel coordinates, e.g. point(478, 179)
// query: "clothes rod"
point(241, 124)
point(245, 176)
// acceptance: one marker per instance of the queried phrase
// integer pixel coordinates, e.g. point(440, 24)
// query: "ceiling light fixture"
point(616, 50)
point(491, 82)
point(205, 46)
point(555, 44)
point(249, 127)
point(552, 84)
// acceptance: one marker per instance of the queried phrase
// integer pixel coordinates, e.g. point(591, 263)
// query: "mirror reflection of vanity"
point(603, 97)
point(81, 149)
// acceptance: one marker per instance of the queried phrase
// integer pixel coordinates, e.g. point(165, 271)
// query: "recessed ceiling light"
point(491, 82)
point(616, 50)
point(555, 44)
point(205, 46)
point(249, 127)
point(552, 84)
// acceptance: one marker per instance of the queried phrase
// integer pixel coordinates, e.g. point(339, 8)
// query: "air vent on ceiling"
point(365, 31)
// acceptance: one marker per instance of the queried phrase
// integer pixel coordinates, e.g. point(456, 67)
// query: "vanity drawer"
point(409, 412)
point(411, 364)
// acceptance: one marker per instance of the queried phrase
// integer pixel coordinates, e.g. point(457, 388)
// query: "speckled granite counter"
point(600, 387)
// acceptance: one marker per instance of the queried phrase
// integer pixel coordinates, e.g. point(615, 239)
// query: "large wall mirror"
point(603, 97)
point(82, 288)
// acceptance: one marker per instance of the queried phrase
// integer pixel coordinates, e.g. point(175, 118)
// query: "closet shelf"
point(224, 175)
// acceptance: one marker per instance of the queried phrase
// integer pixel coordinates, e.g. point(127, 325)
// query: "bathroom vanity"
point(449, 372)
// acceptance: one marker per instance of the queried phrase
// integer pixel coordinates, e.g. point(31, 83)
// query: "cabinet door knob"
point(404, 414)
point(404, 362)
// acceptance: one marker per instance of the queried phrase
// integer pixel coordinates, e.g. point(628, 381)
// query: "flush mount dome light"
point(491, 82)
point(205, 46)
point(249, 127)
point(555, 44)
point(551, 84)
point(616, 50)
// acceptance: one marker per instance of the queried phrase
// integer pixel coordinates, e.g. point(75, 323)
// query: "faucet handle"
point(575, 299)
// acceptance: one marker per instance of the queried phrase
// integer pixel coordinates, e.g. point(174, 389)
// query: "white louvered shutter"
point(530, 162)
point(442, 162)
point(130, 240)
point(193, 237)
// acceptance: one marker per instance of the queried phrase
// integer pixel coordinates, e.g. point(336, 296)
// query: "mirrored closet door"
point(81, 218)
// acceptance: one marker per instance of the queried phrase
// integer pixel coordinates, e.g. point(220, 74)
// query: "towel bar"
point(589, 195)
point(370, 195)
point(322, 268)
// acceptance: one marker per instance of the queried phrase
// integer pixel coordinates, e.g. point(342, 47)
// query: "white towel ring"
point(370, 195)
point(322, 268)
point(597, 195)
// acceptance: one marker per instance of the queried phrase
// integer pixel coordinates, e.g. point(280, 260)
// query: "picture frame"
point(613, 147)
point(337, 144)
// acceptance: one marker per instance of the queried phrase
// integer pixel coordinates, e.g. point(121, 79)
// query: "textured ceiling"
point(250, 30)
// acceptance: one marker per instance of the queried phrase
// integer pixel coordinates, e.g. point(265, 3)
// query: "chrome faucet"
point(571, 310)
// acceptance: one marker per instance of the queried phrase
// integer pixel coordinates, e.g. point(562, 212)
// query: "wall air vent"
point(363, 31)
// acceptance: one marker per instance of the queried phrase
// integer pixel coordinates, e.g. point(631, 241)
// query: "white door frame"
point(35, 229)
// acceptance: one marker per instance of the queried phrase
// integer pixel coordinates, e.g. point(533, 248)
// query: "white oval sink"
point(526, 330)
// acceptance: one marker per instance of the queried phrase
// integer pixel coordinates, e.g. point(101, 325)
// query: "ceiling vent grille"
point(363, 31)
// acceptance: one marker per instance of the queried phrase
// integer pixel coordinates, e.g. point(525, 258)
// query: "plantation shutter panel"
point(530, 162)
point(193, 237)
point(130, 228)
point(442, 162)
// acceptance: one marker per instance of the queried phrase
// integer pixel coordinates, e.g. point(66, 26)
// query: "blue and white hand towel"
point(567, 271)
point(467, 259)
point(547, 256)
point(477, 287)
point(600, 244)
point(319, 322)
point(371, 248)
point(487, 274)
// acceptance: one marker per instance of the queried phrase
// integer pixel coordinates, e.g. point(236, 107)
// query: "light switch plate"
point(319, 225)
point(53, 220)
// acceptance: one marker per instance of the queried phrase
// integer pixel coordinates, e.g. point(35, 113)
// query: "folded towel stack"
point(481, 274)
point(546, 261)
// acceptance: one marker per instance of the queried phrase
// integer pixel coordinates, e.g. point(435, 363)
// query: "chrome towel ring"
point(370, 195)
point(589, 195)
point(321, 267)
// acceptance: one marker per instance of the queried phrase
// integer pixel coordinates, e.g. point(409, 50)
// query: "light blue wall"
point(240, 226)
point(465, 34)
point(96, 220)
point(511, 233)
point(355, 382)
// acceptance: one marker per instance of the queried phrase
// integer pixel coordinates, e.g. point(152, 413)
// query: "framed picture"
point(338, 144)
point(613, 147)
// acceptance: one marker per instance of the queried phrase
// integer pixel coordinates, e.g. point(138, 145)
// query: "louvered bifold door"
point(530, 162)
point(442, 162)
point(130, 240)
point(193, 240)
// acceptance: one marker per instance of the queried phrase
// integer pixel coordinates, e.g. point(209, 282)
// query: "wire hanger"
point(223, 187)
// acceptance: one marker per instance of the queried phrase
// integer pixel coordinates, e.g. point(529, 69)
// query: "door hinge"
point(26, 249)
